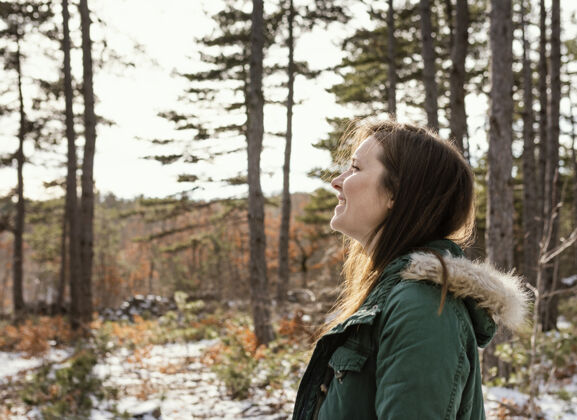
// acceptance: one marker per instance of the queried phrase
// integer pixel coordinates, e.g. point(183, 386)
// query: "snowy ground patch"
point(171, 381)
point(558, 402)
point(12, 364)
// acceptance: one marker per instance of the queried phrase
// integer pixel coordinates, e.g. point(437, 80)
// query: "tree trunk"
point(531, 215)
point(151, 278)
point(304, 271)
point(86, 232)
point(258, 276)
point(428, 51)
point(283, 245)
point(499, 234)
point(551, 214)
point(458, 120)
point(63, 265)
point(74, 263)
point(574, 164)
point(18, 257)
point(542, 87)
point(392, 76)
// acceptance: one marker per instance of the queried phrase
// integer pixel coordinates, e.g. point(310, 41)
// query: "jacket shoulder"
point(419, 303)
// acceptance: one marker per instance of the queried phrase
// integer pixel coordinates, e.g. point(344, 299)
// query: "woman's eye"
point(354, 167)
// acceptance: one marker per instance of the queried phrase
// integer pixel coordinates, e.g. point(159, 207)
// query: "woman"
point(404, 336)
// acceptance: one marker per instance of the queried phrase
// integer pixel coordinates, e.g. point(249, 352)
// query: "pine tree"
point(429, 68)
point(324, 12)
point(459, 47)
point(552, 182)
point(71, 212)
point(499, 234)
point(283, 243)
point(391, 54)
point(531, 215)
point(20, 19)
point(87, 179)
point(255, 131)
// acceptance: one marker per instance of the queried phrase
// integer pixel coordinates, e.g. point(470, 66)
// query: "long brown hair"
point(432, 187)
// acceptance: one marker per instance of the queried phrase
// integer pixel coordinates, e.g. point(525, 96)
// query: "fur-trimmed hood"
point(501, 294)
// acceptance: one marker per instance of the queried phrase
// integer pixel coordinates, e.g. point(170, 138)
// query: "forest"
point(202, 298)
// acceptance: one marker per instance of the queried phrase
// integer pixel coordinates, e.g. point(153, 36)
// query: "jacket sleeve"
point(421, 365)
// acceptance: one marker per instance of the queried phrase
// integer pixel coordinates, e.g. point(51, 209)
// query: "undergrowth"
point(556, 353)
point(243, 366)
point(36, 335)
point(69, 390)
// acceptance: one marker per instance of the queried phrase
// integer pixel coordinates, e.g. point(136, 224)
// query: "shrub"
point(234, 360)
point(242, 365)
point(556, 351)
point(66, 391)
point(35, 335)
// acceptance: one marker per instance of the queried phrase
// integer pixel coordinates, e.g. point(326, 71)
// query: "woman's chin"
point(336, 224)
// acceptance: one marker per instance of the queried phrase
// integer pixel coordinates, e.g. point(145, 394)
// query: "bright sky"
point(132, 98)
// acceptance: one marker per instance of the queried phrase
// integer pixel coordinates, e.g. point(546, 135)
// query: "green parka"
point(397, 358)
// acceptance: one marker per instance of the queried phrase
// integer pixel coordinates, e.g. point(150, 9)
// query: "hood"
point(480, 285)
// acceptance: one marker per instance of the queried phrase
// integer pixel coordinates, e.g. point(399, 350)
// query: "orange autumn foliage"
point(34, 336)
point(236, 336)
point(139, 333)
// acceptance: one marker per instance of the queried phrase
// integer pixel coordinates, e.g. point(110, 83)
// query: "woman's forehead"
point(368, 147)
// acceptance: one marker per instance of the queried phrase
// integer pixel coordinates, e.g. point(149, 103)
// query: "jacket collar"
point(489, 295)
point(499, 293)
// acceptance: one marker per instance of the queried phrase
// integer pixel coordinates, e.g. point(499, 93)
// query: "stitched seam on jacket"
point(458, 372)
point(455, 382)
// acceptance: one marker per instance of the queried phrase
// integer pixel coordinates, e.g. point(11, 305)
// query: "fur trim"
point(501, 294)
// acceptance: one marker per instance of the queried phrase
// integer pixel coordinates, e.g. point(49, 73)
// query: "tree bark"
point(499, 234)
point(255, 129)
point(391, 48)
point(87, 201)
point(531, 215)
point(428, 52)
point(59, 304)
point(574, 165)
point(18, 256)
point(460, 40)
point(551, 190)
point(542, 87)
point(74, 263)
point(283, 246)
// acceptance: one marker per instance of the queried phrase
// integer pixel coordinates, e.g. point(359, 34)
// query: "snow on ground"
point(171, 380)
point(13, 363)
point(557, 402)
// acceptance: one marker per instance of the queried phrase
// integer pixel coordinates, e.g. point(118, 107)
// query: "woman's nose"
point(337, 182)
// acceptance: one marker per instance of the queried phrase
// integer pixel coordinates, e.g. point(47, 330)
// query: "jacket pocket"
point(346, 360)
point(350, 394)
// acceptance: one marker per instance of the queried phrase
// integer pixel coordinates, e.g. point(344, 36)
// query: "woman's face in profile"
point(363, 202)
